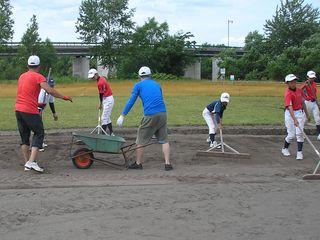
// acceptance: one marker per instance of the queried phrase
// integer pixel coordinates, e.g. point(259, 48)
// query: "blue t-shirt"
point(217, 109)
point(150, 94)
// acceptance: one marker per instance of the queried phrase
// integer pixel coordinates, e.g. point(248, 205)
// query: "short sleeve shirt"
point(293, 98)
point(310, 92)
point(104, 87)
point(28, 91)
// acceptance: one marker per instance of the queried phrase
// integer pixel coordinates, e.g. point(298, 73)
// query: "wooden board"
point(311, 177)
point(221, 154)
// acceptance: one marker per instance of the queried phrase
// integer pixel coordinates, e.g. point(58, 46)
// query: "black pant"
point(28, 122)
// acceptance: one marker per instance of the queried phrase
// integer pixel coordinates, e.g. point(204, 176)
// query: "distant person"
point(310, 90)
point(295, 116)
point(106, 99)
point(27, 113)
point(43, 100)
point(213, 114)
point(154, 121)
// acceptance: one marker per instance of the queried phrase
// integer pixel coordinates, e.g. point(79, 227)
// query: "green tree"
point(48, 56)
point(152, 45)
point(230, 62)
point(292, 23)
point(107, 22)
point(6, 22)
point(253, 62)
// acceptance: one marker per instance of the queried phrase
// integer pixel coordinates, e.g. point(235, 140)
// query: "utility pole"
point(229, 21)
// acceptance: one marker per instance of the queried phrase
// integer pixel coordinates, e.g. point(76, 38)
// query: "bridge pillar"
point(80, 67)
point(215, 69)
point(102, 70)
point(193, 71)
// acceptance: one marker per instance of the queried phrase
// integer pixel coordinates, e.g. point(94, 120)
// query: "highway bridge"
point(81, 51)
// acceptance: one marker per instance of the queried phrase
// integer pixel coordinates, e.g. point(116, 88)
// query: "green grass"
point(182, 110)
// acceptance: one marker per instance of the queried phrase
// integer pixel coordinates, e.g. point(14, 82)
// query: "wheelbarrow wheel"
point(82, 158)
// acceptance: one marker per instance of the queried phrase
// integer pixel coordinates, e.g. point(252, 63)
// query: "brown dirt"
point(258, 198)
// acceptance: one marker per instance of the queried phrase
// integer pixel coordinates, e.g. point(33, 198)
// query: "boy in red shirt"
point(295, 115)
point(27, 113)
point(310, 91)
point(106, 99)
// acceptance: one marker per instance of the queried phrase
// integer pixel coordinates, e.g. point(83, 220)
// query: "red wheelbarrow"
point(84, 157)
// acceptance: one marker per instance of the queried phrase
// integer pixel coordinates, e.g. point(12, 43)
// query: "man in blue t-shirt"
point(154, 121)
point(212, 114)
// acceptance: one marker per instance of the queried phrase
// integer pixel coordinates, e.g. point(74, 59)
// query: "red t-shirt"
point(104, 87)
point(293, 98)
point(310, 91)
point(28, 92)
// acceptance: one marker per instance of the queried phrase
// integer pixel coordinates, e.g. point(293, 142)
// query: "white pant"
point(107, 103)
point(211, 122)
point(292, 130)
point(313, 109)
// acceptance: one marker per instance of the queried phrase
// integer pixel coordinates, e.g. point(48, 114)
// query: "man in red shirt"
point(295, 115)
point(27, 113)
point(106, 99)
point(310, 91)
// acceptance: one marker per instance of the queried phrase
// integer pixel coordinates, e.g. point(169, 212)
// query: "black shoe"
point(135, 166)
point(168, 167)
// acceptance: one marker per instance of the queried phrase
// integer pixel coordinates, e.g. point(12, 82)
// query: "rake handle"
point(314, 148)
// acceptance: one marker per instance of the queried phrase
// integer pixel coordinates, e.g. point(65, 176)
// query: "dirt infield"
point(259, 198)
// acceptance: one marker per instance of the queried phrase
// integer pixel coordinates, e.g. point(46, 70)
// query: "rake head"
point(311, 177)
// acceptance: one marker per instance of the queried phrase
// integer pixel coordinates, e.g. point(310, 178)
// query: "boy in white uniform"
point(43, 99)
point(213, 113)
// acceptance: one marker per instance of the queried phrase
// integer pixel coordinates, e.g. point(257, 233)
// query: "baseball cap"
point(144, 71)
point(311, 74)
point(225, 97)
point(33, 60)
point(290, 77)
point(92, 72)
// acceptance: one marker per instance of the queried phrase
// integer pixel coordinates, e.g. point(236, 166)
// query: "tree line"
point(290, 43)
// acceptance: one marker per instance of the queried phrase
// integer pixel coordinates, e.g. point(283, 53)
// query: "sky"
point(207, 20)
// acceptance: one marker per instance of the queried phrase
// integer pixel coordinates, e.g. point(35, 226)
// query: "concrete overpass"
point(81, 51)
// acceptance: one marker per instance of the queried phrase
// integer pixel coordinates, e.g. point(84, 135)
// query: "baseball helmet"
point(51, 82)
point(225, 97)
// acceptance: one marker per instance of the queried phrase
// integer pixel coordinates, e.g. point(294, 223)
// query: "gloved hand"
point(120, 121)
point(67, 98)
point(55, 116)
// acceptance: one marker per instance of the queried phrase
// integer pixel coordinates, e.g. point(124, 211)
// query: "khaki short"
point(153, 125)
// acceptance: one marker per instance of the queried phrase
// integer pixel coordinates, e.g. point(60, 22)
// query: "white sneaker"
point(299, 155)
point(44, 145)
point(41, 149)
point(33, 166)
point(213, 144)
point(318, 138)
point(112, 134)
point(208, 140)
point(285, 152)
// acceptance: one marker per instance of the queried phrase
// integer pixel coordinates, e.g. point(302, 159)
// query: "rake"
point(211, 152)
point(314, 175)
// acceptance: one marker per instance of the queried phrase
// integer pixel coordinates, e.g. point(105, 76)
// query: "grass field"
point(252, 103)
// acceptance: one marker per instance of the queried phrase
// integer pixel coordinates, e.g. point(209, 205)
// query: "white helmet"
point(225, 97)
point(290, 78)
point(144, 71)
point(311, 74)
